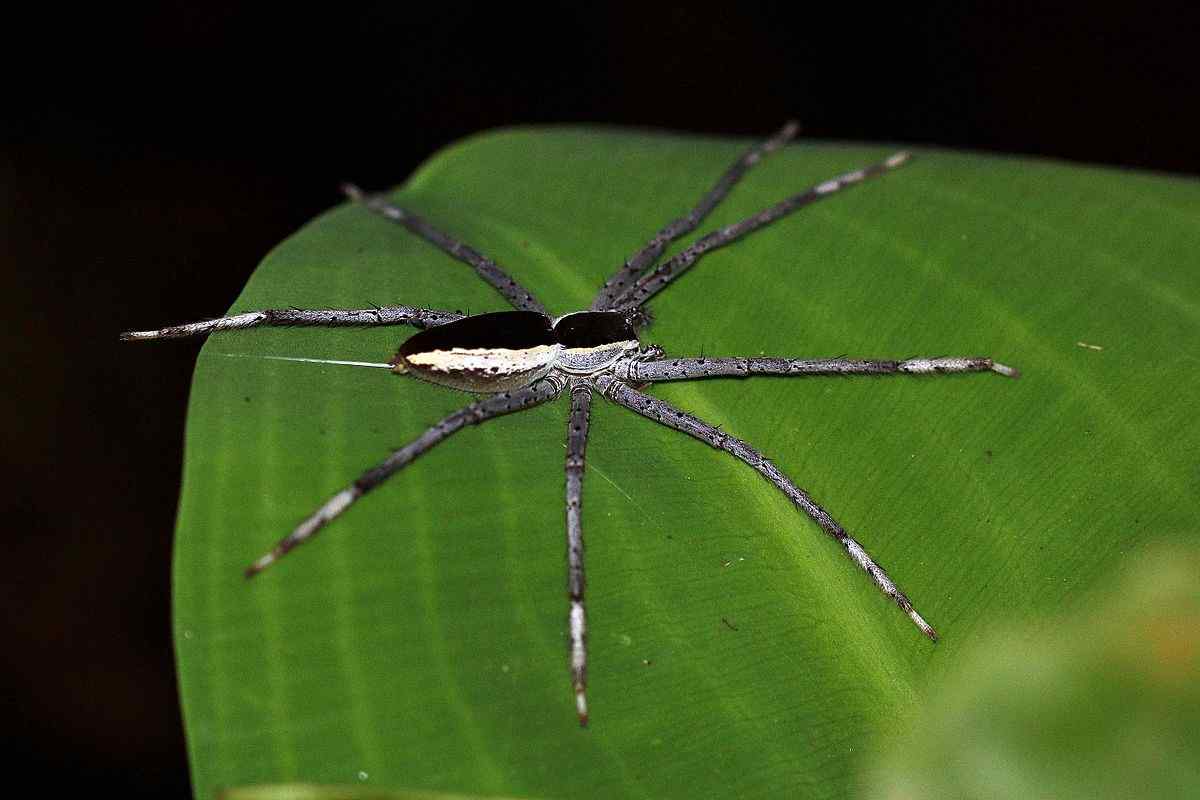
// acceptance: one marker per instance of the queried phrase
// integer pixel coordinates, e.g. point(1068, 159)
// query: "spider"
point(526, 357)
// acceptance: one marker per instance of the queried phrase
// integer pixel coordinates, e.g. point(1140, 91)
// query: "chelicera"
point(526, 357)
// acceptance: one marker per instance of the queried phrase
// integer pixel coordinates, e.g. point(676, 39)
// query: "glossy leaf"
point(419, 643)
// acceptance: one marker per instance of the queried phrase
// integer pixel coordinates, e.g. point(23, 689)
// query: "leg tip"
point(924, 626)
point(581, 707)
point(259, 565)
point(353, 192)
point(1006, 371)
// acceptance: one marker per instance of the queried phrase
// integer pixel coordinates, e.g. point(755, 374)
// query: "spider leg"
point(666, 414)
point(516, 294)
point(577, 433)
point(326, 317)
point(653, 282)
point(488, 408)
point(637, 263)
point(683, 369)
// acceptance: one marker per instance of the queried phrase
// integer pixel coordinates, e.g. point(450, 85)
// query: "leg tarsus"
point(1005, 370)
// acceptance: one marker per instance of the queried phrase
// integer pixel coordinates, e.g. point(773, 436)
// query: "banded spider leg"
point(655, 280)
point(421, 318)
point(474, 414)
point(666, 414)
point(649, 367)
point(581, 394)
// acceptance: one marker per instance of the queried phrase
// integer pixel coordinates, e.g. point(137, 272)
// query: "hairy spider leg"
point(488, 408)
point(686, 369)
point(581, 394)
point(298, 317)
point(666, 414)
point(516, 294)
point(653, 282)
point(577, 433)
point(643, 258)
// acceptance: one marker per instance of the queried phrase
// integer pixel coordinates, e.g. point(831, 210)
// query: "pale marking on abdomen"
point(484, 359)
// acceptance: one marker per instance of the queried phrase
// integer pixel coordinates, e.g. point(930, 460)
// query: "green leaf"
point(304, 791)
point(419, 643)
point(1104, 705)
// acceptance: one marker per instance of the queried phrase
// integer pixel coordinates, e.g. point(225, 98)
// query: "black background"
point(151, 154)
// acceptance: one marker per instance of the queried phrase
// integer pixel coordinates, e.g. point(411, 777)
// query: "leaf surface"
point(420, 641)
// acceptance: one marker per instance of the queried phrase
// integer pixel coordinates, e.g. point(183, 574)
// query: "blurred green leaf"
point(1106, 704)
point(421, 640)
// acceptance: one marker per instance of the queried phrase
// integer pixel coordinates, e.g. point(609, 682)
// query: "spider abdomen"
point(503, 351)
point(494, 352)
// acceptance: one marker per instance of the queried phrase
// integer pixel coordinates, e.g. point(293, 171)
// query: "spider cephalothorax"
point(526, 357)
